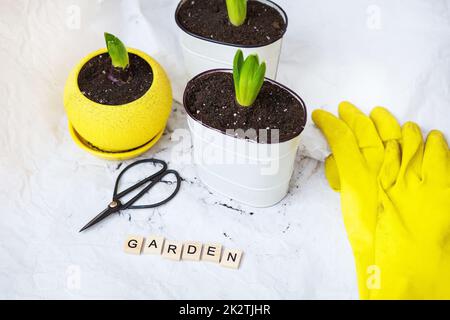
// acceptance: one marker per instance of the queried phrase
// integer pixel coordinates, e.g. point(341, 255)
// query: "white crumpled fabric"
point(390, 53)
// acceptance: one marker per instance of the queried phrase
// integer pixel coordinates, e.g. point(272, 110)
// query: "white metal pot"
point(202, 54)
point(253, 173)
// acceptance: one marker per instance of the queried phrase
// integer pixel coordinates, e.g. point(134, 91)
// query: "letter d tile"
point(192, 251)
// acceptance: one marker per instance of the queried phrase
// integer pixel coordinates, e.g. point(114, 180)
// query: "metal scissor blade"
point(102, 215)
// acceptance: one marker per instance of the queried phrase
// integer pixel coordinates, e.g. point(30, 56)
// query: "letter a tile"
point(153, 245)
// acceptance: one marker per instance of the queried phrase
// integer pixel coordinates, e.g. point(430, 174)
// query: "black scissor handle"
point(117, 196)
point(157, 180)
point(151, 180)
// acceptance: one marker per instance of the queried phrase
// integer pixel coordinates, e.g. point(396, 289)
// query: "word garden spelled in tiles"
point(175, 250)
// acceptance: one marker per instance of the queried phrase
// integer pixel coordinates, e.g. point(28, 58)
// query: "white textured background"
point(394, 53)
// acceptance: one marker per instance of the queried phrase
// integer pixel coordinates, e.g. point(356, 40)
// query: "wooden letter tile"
point(212, 252)
point(153, 245)
point(133, 244)
point(172, 250)
point(231, 258)
point(192, 251)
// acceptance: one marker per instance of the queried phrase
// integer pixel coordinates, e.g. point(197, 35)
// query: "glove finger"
point(362, 126)
point(391, 164)
point(387, 126)
point(412, 153)
point(365, 132)
point(342, 143)
point(332, 173)
point(435, 160)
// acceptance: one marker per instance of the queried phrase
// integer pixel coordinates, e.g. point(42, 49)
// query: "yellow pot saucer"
point(120, 155)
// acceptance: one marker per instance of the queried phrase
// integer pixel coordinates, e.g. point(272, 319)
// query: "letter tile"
point(212, 252)
point(153, 245)
point(231, 258)
point(192, 251)
point(172, 250)
point(133, 245)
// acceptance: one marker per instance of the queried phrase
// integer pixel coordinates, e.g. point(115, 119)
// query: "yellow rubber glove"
point(388, 129)
point(412, 247)
point(358, 153)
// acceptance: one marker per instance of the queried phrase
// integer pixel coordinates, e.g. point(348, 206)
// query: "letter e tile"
point(212, 252)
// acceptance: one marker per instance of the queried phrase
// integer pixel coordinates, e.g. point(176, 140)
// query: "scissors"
point(116, 205)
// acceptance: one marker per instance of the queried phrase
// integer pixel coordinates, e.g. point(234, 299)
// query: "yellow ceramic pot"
point(121, 127)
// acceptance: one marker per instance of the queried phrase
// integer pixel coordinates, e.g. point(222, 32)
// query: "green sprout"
point(248, 76)
point(117, 51)
point(237, 11)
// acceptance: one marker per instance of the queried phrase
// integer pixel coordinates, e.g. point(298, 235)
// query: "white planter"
point(253, 173)
point(202, 54)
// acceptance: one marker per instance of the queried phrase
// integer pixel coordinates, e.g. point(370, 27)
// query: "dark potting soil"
point(211, 100)
point(209, 18)
point(95, 84)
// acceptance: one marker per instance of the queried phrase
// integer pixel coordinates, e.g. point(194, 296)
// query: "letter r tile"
point(172, 250)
